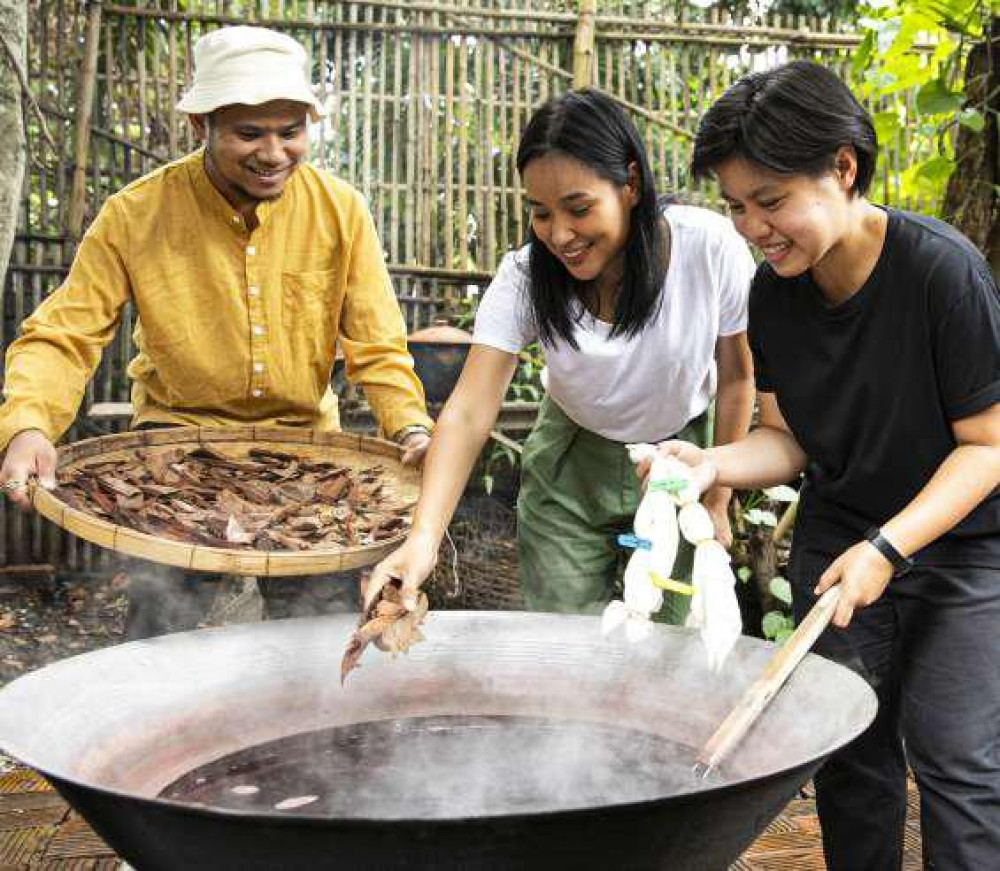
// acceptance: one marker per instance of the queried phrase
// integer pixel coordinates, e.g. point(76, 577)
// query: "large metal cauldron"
point(112, 729)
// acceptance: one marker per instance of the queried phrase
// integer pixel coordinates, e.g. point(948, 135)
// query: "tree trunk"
point(13, 30)
point(971, 202)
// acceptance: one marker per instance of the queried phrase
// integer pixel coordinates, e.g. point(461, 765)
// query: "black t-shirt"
point(870, 387)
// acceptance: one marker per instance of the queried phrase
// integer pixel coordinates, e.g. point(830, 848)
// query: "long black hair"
point(589, 127)
point(790, 120)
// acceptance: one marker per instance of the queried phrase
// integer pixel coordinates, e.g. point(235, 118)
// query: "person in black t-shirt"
point(876, 339)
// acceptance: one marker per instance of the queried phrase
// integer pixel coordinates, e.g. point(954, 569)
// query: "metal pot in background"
point(439, 353)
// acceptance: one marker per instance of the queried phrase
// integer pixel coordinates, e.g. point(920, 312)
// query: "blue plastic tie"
point(633, 541)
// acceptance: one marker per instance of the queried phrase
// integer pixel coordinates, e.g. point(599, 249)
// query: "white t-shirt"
point(647, 387)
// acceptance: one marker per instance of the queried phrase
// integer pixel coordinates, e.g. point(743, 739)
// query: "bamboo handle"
point(776, 672)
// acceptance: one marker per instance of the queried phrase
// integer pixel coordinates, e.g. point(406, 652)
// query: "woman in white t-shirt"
point(640, 310)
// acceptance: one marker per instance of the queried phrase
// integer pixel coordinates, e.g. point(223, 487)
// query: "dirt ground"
point(45, 618)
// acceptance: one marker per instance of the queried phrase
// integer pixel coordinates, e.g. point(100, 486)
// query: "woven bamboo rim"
point(355, 451)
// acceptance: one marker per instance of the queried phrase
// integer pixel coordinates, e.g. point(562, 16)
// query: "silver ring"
point(15, 485)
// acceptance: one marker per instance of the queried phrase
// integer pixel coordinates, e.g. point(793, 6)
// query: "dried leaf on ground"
point(388, 625)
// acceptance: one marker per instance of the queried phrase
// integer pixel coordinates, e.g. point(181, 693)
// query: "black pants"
point(930, 647)
point(163, 599)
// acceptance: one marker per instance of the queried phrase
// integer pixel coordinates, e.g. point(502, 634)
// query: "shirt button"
point(258, 367)
point(258, 330)
point(257, 394)
point(236, 219)
point(253, 290)
point(251, 250)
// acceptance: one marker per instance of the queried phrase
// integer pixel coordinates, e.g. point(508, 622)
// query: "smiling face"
point(797, 221)
point(581, 218)
point(252, 151)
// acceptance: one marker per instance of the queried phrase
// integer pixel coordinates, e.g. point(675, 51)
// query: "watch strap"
point(399, 436)
point(900, 563)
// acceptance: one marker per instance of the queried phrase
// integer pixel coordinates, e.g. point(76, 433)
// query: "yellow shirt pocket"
point(310, 312)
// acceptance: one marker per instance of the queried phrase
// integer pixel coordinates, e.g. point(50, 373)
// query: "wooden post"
point(84, 111)
point(583, 47)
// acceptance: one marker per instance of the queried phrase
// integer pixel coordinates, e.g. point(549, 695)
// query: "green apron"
point(579, 491)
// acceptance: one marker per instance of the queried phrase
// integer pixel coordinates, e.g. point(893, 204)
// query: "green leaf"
point(973, 119)
point(886, 125)
point(927, 178)
point(744, 573)
point(759, 517)
point(773, 623)
point(863, 54)
point(782, 493)
point(782, 635)
point(936, 98)
point(937, 170)
point(781, 590)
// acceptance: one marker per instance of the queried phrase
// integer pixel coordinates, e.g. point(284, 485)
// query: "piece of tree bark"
point(971, 203)
point(13, 33)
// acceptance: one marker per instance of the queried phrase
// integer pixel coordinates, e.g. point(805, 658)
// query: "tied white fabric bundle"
point(658, 525)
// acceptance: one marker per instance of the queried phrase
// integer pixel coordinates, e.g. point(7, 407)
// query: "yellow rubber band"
point(671, 585)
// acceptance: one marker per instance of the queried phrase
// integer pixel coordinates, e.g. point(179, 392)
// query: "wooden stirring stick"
point(777, 671)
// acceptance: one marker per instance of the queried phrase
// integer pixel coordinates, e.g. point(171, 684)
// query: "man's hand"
point(414, 447)
point(412, 564)
point(30, 454)
point(863, 574)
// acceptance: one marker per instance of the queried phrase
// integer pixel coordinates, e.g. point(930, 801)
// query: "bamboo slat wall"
point(426, 104)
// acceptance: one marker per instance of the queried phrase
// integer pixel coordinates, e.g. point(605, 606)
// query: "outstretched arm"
point(459, 436)
point(733, 410)
point(49, 365)
point(769, 455)
point(373, 333)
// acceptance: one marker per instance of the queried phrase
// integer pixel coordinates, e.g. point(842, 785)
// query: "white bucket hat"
point(249, 66)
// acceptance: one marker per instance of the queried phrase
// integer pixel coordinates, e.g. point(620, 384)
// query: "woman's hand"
point(702, 467)
point(716, 502)
point(863, 574)
point(30, 454)
point(412, 564)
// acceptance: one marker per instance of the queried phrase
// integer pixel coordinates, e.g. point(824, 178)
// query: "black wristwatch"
point(900, 564)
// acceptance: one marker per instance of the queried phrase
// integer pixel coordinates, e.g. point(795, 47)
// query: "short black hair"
point(790, 120)
point(591, 128)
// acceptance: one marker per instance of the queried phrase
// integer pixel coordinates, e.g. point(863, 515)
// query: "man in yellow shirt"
point(246, 267)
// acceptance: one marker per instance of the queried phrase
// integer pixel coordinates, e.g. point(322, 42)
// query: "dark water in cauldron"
point(445, 767)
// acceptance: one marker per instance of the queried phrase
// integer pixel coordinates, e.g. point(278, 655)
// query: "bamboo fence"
point(426, 100)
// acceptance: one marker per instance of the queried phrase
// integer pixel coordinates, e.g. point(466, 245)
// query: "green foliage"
point(781, 590)
point(777, 626)
point(922, 45)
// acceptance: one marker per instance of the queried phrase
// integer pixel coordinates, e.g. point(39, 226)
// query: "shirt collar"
point(216, 204)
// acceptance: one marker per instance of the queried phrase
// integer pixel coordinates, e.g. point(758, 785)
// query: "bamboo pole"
point(434, 169)
point(172, 89)
point(583, 46)
point(366, 111)
point(381, 165)
point(463, 155)
point(449, 152)
point(777, 670)
point(85, 103)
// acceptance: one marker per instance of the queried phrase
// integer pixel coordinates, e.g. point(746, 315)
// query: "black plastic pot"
point(439, 354)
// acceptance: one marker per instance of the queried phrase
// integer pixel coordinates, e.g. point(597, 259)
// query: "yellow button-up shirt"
point(234, 326)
